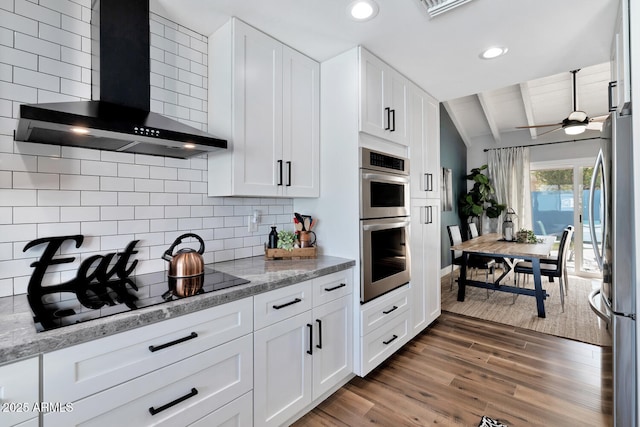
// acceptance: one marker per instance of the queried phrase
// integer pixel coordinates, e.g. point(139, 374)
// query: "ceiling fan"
point(577, 122)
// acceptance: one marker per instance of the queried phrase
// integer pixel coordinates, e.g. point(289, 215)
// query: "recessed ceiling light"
point(362, 10)
point(493, 52)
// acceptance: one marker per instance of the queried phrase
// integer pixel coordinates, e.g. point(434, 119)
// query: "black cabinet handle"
point(611, 86)
point(289, 173)
point(280, 168)
point(154, 411)
point(387, 111)
point(286, 304)
point(319, 345)
point(341, 285)
point(310, 326)
point(393, 121)
point(429, 215)
point(390, 341)
point(191, 336)
point(395, 307)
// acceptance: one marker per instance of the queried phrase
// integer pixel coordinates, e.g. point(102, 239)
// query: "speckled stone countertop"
point(18, 336)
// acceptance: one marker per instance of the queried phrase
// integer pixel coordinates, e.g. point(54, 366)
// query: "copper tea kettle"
point(186, 267)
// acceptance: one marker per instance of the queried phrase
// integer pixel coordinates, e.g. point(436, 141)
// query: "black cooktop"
point(96, 301)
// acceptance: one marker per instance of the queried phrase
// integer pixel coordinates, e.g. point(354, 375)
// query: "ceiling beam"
point(528, 109)
point(457, 123)
point(489, 116)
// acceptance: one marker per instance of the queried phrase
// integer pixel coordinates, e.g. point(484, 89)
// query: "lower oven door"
point(384, 256)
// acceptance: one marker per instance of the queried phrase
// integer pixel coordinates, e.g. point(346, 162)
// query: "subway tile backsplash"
point(110, 198)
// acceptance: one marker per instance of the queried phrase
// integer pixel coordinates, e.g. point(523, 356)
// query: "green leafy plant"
point(479, 198)
point(286, 240)
point(527, 236)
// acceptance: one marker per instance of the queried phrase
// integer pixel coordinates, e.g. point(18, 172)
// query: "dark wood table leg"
point(462, 280)
point(537, 280)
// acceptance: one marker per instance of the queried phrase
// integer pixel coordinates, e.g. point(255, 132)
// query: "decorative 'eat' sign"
point(94, 278)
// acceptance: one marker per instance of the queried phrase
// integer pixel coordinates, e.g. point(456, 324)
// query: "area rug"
point(577, 322)
point(490, 422)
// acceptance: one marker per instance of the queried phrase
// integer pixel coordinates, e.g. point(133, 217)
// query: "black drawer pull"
point(319, 345)
point(341, 285)
point(286, 304)
point(191, 336)
point(310, 326)
point(154, 411)
point(395, 307)
point(390, 341)
point(387, 110)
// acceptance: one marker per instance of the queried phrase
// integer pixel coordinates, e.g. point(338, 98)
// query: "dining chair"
point(473, 261)
point(473, 230)
point(551, 268)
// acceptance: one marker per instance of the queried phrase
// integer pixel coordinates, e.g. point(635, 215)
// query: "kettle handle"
point(168, 253)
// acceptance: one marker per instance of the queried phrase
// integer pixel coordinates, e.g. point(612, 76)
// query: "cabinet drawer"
point(19, 385)
point(75, 372)
point(273, 306)
point(332, 286)
point(204, 382)
point(237, 413)
point(384, 309)
point(382, 343)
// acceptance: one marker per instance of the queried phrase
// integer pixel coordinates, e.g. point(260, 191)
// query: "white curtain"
point(509, 174)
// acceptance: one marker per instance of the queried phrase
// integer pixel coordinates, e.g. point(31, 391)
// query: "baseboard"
point(446, 270)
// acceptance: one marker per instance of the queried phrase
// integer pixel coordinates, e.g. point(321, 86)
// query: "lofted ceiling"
point(531, 84)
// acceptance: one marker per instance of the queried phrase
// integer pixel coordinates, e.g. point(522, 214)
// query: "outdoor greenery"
point(560, 179)
point(480, 198)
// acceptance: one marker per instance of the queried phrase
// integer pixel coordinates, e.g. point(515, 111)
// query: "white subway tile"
point(80, 153)
point(243, 253)
point(98, 198)
point(201, 211)
point(119, 242)
point(201, 70)
point(6, 179)
point(36, 180)
point(76, 26)
point(191, 78)
point(6, 36)
point(156, 225)
point(221, 256)
point(176, 186)
point(176, 61)
point(58, 198)
point(176, 86)
point(18, 197)
point(17, 162)
point(150, 266)
point(223, 233)
point(234, 221)
point(113, 156)
point(151, 239)
point(176, 211)
point(164, 95)
point(39, 13)
point(191, 54)
point(6, 287)
point(163, 43)
point(177, 36)
point(21, 232)
point(58, 229)
point(89, 167)
point(156, 27)
point(116, 184)
point(133, 170)
point(199, 188)
point(60, 69)
point(132, 227)
point(58, 165)
point(75, 88)
point(6, 215)
point(32, 214)
point(30, 148)
point(189, 199)
point(18, 23)
point(148, 185)
point(19, 267)
point(189, 175)
point(88, 213)
point(189, 223)
point(223, 210)
point(65, 7)
point(157, 172)
point(133, 199)
point(79, 182)
point(117, 213)
point(213, 222)
point(38, 46)
point(163, 199)
point(62, 37)
point(149, 212)
point(156, 106)
point(200, 93)
point(48, 96)
point(99, 228)
point(142, 159)
point(198, 45)
point(163, 21)
point(173, 110)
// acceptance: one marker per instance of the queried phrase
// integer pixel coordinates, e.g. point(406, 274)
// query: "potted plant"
point(480, 198)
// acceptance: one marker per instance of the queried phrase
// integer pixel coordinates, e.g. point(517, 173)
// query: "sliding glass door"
point(560, 197)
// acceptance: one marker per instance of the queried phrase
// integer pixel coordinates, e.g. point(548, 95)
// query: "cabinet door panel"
point(258, 112)
point(282, 383)
point(238, 413)
point(398, 94)
point(301, 121)
point(373, 118)
point(19, 384)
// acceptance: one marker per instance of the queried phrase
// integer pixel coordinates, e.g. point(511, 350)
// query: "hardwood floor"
point(461, 368)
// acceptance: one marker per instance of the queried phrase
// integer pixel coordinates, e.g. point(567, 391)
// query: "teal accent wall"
point(453, 155)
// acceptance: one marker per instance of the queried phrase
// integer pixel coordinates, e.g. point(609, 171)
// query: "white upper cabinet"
point(620, 60)
point(424, 148)
point(383, 104)
point(264, 98)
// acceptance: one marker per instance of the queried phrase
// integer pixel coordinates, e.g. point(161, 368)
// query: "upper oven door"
point(383, 194)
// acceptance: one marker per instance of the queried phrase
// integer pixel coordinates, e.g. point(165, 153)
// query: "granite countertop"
point(18, 337)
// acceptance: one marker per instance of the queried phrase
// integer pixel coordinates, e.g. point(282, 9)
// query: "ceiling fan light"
point(575, 129)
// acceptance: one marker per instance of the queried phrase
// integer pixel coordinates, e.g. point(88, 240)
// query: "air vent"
point(436, 7)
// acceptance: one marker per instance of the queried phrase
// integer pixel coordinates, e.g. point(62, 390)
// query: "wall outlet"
point(253, 221)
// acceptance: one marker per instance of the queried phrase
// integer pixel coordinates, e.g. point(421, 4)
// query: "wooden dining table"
point(493, 245)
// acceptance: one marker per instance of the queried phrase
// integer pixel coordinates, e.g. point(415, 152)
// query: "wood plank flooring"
point(461, 368)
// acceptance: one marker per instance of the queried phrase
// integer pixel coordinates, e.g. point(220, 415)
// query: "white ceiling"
point(488, 97)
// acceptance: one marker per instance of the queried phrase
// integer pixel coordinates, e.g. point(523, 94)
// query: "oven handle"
point(387, 178)
point(386, 226)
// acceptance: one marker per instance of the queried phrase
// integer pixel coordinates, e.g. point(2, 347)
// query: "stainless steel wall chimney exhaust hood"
point(118, 119)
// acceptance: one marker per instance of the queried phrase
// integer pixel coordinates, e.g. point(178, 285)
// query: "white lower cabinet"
point(238, 413)
point(300, 358)
point(19, 391)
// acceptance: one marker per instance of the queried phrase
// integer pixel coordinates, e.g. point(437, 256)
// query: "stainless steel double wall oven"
point(384, 223)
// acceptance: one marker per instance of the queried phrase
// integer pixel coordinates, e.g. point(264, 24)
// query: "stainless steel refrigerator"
point(614, 248)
